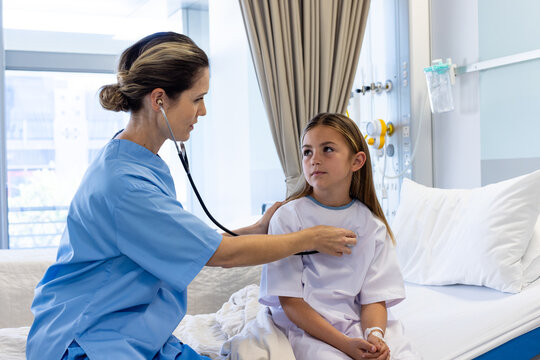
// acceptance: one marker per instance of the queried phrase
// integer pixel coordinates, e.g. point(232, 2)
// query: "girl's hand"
point(382, 353)
point(264, 221)
point(358, 348)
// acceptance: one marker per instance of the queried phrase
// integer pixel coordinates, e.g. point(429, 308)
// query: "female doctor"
point(129, 250)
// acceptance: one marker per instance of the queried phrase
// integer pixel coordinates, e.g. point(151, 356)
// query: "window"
point(49, 146)
point(57, 58)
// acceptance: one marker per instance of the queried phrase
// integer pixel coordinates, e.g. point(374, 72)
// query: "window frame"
point(59, 62)
point(3, 149)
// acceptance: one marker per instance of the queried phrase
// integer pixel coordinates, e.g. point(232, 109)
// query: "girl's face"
point(184, 112)
point(327, 161)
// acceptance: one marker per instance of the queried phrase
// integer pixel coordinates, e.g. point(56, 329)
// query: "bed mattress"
point(447, 322)
point(463, 322)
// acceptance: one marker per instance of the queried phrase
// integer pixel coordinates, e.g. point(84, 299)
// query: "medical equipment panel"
point(380, 99)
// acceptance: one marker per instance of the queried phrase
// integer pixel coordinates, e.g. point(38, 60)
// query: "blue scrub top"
point(127, 255)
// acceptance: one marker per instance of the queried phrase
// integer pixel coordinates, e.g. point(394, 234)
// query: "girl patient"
point(336, 307)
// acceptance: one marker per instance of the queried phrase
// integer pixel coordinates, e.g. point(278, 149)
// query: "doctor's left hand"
point(264, 221)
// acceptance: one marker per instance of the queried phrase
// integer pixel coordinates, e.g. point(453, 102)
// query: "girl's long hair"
point(362, 187)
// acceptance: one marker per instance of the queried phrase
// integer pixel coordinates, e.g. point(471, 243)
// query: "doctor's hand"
point(331, 240)
point(264, 221)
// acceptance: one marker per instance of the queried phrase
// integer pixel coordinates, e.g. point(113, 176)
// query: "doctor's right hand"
point(331, 240)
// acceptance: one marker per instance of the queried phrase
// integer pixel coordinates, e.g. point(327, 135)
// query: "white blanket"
point(241, 330)
point(13, 343)
point(260, 339)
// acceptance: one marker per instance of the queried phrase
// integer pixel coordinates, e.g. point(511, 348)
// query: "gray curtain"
point(305, 54)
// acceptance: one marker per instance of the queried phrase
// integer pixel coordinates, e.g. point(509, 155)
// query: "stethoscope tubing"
point(201, 200)
point(184, 160)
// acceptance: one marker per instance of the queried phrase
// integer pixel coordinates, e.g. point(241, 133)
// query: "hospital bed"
point(441, 321)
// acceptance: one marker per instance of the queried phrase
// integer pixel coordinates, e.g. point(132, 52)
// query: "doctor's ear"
point(157, 97)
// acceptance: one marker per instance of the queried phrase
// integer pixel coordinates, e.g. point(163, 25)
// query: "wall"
point(509, 95)
point(229, 183)
point(456, 134)
point(235, 165)
point(490, 136)
point(419, 38)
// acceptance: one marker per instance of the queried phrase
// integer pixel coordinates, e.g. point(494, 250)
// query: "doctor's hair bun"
point(111, 98)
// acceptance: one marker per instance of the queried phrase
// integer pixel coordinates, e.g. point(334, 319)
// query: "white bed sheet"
point(442, 322)
point(462, 322)
point(446, 322)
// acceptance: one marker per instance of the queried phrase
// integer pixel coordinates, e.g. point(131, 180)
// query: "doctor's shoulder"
point(113, 178)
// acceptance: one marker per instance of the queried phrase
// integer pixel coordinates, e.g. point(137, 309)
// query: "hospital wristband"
point(379, 332)
point(376, 333)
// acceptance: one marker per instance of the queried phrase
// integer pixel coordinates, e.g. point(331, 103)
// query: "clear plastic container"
point(440, 87)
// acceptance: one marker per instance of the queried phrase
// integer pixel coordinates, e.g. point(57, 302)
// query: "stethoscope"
point(183, 158)
point(181, 150)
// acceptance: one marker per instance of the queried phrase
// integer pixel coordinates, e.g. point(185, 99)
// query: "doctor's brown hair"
point(362, 187)
point(164, 60)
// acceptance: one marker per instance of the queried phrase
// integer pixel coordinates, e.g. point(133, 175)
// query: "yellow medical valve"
point(370, 141)
point(376, 142)
point(377, 131)
point(389, 129)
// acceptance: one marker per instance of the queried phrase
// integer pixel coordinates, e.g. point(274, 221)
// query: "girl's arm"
point(375, 315)
point(307, 319)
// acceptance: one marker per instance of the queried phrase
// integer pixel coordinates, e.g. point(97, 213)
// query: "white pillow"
point(475, 236)
point(531, 259)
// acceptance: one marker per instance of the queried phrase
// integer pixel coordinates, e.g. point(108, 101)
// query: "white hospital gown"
point(335, 287)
